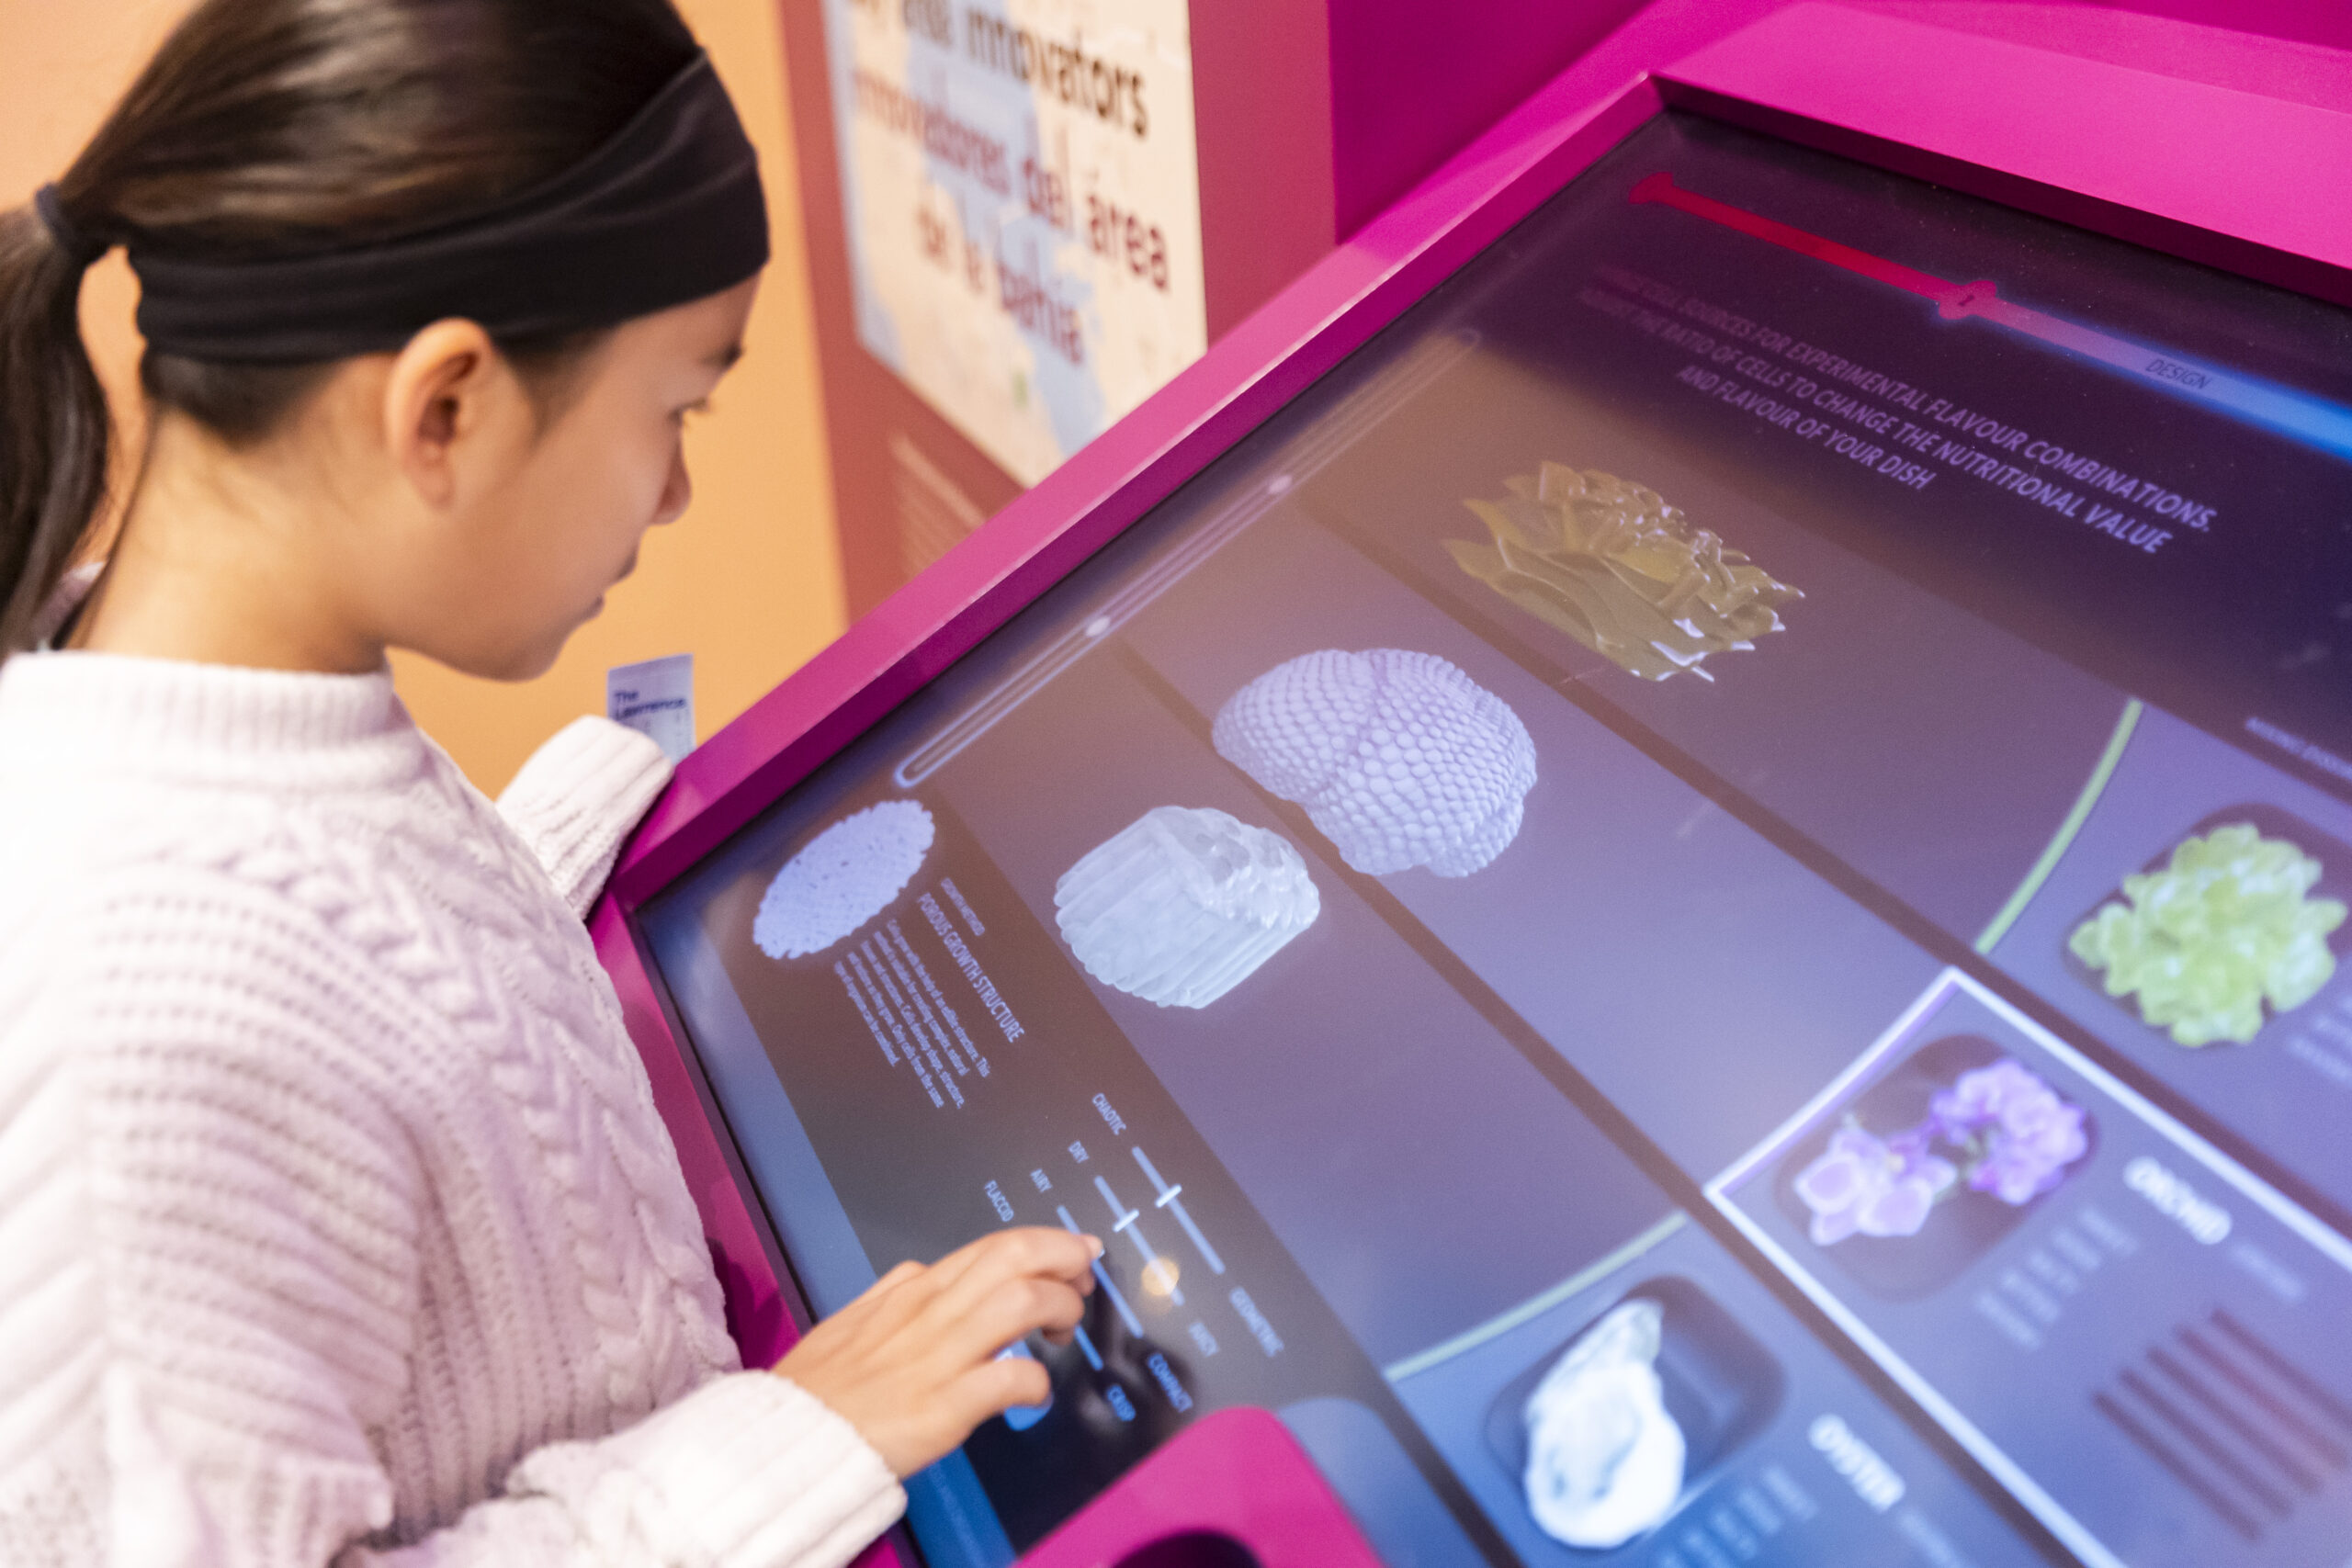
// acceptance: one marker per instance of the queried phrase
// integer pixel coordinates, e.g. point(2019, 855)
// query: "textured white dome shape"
point(1399, 757)
point(845, 876)
point(1184, 904)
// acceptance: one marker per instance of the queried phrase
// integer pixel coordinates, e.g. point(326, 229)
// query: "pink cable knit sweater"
point(336, 1223)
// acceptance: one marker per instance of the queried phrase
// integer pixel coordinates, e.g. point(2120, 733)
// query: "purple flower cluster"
point(2023, 1134)
point(2001, 1128)
point(1876, 1186)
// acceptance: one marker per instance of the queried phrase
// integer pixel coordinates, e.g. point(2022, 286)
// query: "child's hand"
point(912, 1363)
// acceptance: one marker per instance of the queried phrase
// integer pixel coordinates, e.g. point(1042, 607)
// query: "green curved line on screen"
point(2093, 788)
point(1582, 1280)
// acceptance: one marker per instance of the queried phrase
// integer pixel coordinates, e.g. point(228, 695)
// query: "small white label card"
point(655, 698)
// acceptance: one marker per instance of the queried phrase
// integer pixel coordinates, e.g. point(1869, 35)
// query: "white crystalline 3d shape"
point(845, 876)
point(1399, 757)
point(1604, 1459)
point(1183, 905)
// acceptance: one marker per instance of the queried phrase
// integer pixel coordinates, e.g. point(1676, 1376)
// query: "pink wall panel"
point(1414, 81)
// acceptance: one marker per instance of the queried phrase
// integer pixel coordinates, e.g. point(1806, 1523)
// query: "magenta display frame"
point(2045, 108)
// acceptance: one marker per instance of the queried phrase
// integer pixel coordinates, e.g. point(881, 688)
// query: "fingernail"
point(1095, 1242)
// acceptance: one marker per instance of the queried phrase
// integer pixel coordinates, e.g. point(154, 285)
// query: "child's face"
point(559, 510)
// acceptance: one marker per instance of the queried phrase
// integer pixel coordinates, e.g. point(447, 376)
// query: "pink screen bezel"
point(2042, 107)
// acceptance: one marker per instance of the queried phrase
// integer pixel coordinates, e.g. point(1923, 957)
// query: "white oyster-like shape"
point(1399, 757)
point(1183, 905)
point(1605, 1458)
point(845, 876)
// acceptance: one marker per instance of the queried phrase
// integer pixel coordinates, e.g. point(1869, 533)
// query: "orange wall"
point(749, 581)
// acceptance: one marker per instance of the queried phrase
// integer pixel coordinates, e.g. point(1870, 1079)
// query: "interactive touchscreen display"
point(1695, 914)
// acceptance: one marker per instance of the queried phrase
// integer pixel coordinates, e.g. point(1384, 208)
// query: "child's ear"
point(438, 394)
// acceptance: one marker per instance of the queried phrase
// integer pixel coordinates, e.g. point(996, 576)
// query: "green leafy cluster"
point(2227, 924)
point(1613, 565)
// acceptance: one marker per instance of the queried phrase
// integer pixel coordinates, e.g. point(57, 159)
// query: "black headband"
point(668, 211)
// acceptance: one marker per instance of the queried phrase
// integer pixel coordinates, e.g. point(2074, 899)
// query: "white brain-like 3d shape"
point(845, 876)
point(1183, 905)
point(1399, 757)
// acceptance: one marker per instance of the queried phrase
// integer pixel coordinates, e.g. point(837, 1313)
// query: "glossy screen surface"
point(1694, 914)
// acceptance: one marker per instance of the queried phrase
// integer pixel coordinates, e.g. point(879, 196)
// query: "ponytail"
point(55, 431)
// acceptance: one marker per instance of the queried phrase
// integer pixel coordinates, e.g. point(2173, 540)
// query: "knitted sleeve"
point(698, 1483)
point(211, 1213)
point(576, 799)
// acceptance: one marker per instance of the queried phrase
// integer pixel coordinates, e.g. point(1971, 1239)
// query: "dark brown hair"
point(269, 128)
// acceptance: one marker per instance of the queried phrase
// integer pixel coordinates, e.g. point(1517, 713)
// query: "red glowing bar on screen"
point(2283, 409)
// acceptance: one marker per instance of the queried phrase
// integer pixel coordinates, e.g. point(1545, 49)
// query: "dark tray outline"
point(1764, 1389)
point(1928, 1261)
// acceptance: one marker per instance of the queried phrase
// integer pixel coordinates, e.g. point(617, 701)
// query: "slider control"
point(1169, 1200)
point(1159, 1273)
point(1102, 1278)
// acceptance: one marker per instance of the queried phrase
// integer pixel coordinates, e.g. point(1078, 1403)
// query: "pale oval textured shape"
point(843, 879)
point(1605, 1458)
point(1184, 904)
point(1399, 757)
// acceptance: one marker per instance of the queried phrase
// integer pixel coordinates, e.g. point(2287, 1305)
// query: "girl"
point(335, 1221)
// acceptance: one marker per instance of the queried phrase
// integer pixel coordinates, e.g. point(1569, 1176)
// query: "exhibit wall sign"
point(1021, 193)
